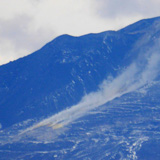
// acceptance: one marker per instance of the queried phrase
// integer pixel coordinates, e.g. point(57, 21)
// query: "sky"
point(27, 25)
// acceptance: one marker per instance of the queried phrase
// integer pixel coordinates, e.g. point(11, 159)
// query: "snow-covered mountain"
point(89, 97)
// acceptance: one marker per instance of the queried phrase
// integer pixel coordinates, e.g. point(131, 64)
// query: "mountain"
point(90, 97)
point(59, 74)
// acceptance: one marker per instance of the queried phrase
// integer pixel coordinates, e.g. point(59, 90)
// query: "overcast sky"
point(26, 25)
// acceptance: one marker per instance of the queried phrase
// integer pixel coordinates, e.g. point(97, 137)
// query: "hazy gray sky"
point(26, 25)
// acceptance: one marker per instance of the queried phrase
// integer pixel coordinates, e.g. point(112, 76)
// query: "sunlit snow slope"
point(89, 97)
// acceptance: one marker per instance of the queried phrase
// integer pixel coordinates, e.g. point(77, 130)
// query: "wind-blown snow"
point(135, 76)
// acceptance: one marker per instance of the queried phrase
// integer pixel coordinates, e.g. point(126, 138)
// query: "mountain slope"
point(59, 74)
point(89, 97)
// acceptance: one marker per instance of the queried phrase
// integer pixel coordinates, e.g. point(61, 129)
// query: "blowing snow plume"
point(142, 71)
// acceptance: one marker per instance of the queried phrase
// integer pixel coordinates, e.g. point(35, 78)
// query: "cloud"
point(17, 40)
point(128, 8)
point(26, 25)
point(122, 13)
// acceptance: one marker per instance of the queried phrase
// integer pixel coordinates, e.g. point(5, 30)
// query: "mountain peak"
point(141, 26)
